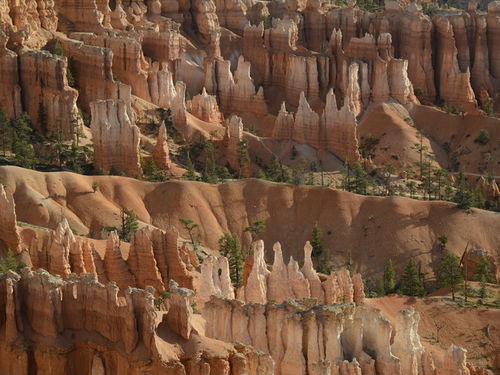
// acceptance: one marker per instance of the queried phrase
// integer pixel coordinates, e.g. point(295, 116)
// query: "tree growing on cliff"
point(389, 278)
point(411, 284)
point(450, 273)
point(5, 132)
point(129, 224)
point(229, 246)
point(10, 263)
point(190, 226)
point(317, 241)
point(255, 228)
point(243, 157)
point(21, 142)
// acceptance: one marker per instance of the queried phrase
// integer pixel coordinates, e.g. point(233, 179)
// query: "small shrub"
point(483, 137)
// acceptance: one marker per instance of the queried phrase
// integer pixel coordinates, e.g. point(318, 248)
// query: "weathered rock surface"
point(9, 236)
point(161, 153)
point(107, 328)
point(115, 138)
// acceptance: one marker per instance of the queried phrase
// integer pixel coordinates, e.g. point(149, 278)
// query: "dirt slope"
point(369, 229)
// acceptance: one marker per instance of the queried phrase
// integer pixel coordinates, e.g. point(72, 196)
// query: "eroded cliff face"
point(79, 325)
point(249, 57)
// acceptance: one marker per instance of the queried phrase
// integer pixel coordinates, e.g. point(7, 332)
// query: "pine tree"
point(255, 228)
point(317, 241)
point(190, 172)
point(5, 132)
point(190, 226)
point(129, 224)
point(229, 246)
point(389, 278)
point(449, 273)
point(243, 156)
point(411, 284)
point(10, 263)
point(21, 142)
point(483, 271)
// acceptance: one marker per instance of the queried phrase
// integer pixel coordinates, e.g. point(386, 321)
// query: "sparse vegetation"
point(483, 137)
point(190, 226)
point(10, 263)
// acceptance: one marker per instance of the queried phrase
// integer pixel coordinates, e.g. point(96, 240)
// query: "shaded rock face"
point(106, 328)
point(47, 97)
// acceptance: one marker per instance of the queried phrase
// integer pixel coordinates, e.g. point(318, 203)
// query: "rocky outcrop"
point(205, 107)
point(287, 282)
point(334, 130)
point(454, 83)
point(108, 328)
point(341, 339)
point(91, 67)
point(9, 236)
point(161, 153)
point(237, 93)
point(47, 97)
point(115, 138)
point(154, 256)
point(214, 280)
point(232, 140)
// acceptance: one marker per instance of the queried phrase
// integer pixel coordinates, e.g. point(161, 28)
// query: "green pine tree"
point(317, 241)
point(389, 278)
point(190, 173)
point(450, 273)
point(10, 263)
point(21, 142)
point(229, 246)
point(411, 284)
point(483, 271)
point(129, 224)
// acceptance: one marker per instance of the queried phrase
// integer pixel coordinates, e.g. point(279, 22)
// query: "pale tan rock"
point(278, 287)
point(311, 275)
point(407, 346)
point(180, 310)
point(256, 287)
point(161, 153)
point(283, 125)
point(160, 85)
point(298, 283)
point(115, 138)
point(214, 280)
point(306, 125)
point(205, 107)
